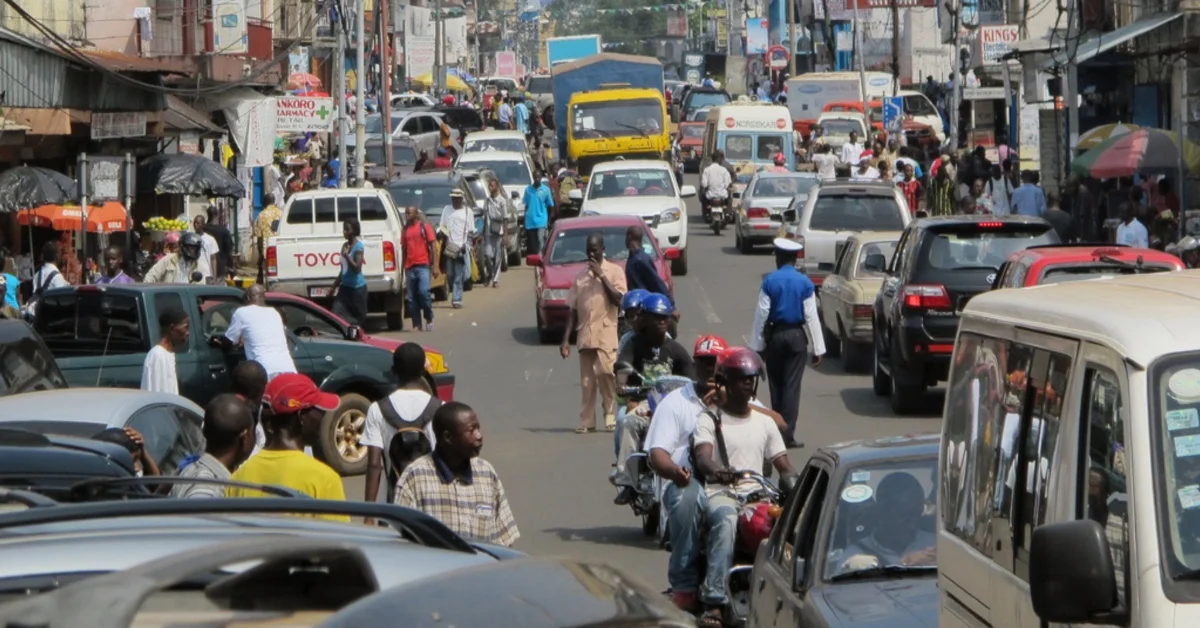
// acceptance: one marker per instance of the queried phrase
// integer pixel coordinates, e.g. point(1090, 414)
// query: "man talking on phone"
point(669, 444)
point(595, 300)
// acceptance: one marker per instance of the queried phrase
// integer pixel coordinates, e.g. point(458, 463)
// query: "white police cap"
point(791, 246)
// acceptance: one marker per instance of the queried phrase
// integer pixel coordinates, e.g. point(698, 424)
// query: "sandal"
point(712, 618)
point(584, 430)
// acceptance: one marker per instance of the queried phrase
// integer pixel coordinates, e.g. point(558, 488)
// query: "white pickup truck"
point(303, 259)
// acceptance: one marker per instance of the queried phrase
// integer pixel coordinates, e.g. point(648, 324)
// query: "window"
point(513, 144)
point(886, 249)
point(169, 439)
point(691, 131)
point(300, 212)
point(1039, 438)
point(612, 184)
point(617, 118)
point(412, 126)
point(769, 146)
point(509, 172)
point(801, 538)
point(1001, 470)
point(843, 212)
point(739, 147)
point(843, 265)
point(570, 245)
point(428, 196)
point(783, 549)
point(697, 100)
point(783, 186)
point(918, 105)
point(25, 365)
point(429, 124)
point(91, 323)
point(295, 316)
point(371, 208)
point(1106, 463)
point(216, 314)
point(326, 210)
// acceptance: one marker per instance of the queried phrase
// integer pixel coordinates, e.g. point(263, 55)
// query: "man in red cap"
point(291, 420)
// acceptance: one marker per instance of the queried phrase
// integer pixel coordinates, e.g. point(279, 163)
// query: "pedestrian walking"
point(455, 486)
point(496, 230)
point(259, 329)
point(458, 228)
point(538, 200)
point(595, 300)
point(419, 270)
point(266, 226)
point(787, 307)
point(228, 442)
point(350, 287)
point(1029, 199)
point(158, 371)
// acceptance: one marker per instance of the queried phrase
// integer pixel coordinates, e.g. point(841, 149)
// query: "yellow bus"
point(617, 121)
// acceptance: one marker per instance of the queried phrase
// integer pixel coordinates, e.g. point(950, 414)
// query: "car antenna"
point(100, 371)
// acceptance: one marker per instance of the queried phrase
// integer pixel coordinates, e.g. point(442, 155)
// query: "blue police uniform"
point(787, 306)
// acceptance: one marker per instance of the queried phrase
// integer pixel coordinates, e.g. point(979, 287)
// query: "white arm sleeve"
point(812, 322)
point(755, 341)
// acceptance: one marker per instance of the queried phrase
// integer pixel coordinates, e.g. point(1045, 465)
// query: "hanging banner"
point(229, 34)
point(506, 63)
point(418, 41)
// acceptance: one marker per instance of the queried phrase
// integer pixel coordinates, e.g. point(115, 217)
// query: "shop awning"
point(181, 116)
point(1107, 41)
point(47, 121)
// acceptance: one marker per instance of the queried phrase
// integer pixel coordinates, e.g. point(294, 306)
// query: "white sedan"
point(643, 188)
point(495, 140)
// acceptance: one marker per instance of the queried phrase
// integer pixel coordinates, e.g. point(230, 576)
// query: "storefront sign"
point(997, 41)
point(984, 93)
point(106, 178)
point(106, 126)
point(304, 115)
point(506, 63)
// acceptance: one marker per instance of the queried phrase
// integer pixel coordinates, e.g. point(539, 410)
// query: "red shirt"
point(912, 193)
point(442, 163)
point(417, 237)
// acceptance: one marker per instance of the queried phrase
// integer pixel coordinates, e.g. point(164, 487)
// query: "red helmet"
point(447, 100)
point(709, 347)
point(740, 362)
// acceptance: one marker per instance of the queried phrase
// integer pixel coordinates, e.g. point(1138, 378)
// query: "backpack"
point(30, 308)
point(410, 441)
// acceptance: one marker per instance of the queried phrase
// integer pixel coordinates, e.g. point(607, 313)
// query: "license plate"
point(320, 292)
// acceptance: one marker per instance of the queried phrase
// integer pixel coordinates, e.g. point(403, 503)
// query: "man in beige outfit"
point(595, 299)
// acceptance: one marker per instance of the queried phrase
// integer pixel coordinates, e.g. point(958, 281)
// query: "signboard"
point(997, 41)
point(106, 178)
point(756, 123)
point(298, 60)
point(722, 20)
point(984, 93)
point(506, 63)
point(295, 114)
point(893, 114)
point(777, 58)
point(756, 36)
point(229, 32)
point(676, 23)
point(418, 41)
point(106, 126)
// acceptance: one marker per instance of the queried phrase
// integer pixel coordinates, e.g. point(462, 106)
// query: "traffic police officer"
point(787, 305)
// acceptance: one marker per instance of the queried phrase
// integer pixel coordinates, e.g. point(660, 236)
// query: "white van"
point(303, 259)
point(1070, 462)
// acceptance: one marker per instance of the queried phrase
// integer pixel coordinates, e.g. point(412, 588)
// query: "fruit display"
point(158, 223)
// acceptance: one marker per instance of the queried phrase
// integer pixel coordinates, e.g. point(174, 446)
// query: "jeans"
point(535, 240)
point(416, 282)
point(494, 254)
point(351, 304)
point(720, 512)
point(685, 511)
point(457, 272)
point(628, 439)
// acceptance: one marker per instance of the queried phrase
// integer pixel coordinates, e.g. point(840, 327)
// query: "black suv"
point(939, 264)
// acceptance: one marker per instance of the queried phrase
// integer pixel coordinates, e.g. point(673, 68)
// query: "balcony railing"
point(260, 43)
point(166, 39)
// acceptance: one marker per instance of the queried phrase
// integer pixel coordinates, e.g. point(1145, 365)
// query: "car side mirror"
point(875, 262)
point(575, 195)
point(533, 259)
point(789, 215)
point(1071, 574)
point(687, 191)
point(672, 254)
point(354, 333)
point(799, 573)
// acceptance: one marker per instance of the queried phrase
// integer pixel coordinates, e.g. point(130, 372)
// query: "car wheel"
point(544, 335)
point(514, 259)
point(679, 266)
point(744, 247)
point(341, 431)
point(905, 398)
point(880, 381)
point(833, 345)
point(395, 321)
point(650, 521)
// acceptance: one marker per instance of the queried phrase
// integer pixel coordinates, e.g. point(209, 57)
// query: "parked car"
point(50, 465)
point(1039, 265)
point(404, 159)
point(408, 100)
point(818, 567)
point(422, 126)
point(514, 244)
point(303, 256)
point(566, 257)
point(691, 143)
point(832, 212)
point(758, 210)
point(847, 302)
point(643, 188)
point(169, 423)
point(100, 335)
point(496, 140)
point(25, 362)
point(430, 192)
point(939, 264)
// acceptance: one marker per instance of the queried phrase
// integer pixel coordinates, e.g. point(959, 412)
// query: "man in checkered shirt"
point(457, 487)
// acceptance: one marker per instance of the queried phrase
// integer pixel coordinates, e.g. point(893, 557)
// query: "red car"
point(1058, 263)
point(566, 257)
point(305, 318)
point(691, 144)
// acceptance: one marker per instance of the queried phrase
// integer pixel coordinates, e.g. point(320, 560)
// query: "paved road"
point(528, 400)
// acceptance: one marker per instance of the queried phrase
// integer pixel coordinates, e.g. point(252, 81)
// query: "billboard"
point(756, 36)
point(506, 63)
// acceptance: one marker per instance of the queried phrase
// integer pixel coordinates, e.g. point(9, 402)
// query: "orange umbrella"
point(109, 217)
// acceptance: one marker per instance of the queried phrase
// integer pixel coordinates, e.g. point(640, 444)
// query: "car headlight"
point(669, 215)
point(555, 294)
point(589, 212)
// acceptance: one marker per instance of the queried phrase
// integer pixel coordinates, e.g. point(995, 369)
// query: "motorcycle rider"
point(733, 439)
point(631, 307)
point(715, 182)
point(653, 354)
point(181, 266)
point(1188, 250)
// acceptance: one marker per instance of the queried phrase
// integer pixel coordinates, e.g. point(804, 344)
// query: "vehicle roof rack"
point(415, 524)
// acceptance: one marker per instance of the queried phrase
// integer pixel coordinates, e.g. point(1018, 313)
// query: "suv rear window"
point(90, 323)
point(956, 248)
point(850, 212)
point(1079, 272)
point(539, 85)
point(430, 198)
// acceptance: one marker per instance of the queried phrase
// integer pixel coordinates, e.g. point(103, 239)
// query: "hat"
point(779, 159)
point(456, 193)
point(866, 154)
point(290, 393)
point(791, 246)
point(172, 237)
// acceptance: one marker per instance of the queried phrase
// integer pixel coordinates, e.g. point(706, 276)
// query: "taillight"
point(918, 297)
point(758, 212)
point(272, 262)
point(389, 257)
point(864, 311)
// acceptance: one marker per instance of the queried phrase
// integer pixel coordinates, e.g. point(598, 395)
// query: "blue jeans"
point(416, 293)
point(457, 272)
point(627, 440)
point(720, 511)
point(685, 510)
point(535, 240)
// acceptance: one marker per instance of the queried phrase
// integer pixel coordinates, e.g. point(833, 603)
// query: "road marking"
point(706, 306)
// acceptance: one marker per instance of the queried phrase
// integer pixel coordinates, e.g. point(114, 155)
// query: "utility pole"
point(339, 61)
point(953, 99)
point(1071, 86)
point(439, 53)
point(385, 87)
point(791, 19)
point(895, 48)
point(858, 54)
point(360, 109)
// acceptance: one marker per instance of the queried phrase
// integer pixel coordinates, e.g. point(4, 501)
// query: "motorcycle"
point(719, 215)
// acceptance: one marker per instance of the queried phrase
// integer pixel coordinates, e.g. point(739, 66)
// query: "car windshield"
point(874, 248)
point(919, 105)
point(402, 155)
point(510, 144)
point(430, 198)
point(972, 247)
point(783, 186)
point(692, 131)
point(375, 124)
point(569, 246)
point(843, 212)
point(509, 172)
point(841, 126)
point(699, 115)
point(1064, 274)
point(699, 100)
point(884, 517)
point(595, 120)
point(614, 183)
point(539, 85)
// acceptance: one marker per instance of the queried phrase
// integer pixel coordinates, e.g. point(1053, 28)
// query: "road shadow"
point(865, 403)
point(558, 430)
point(628, 536)
point(527, 336)
point(835, 367)
point(758, 251)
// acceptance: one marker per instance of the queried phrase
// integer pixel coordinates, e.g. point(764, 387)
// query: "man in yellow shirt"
point(291, 420)
point(266, 226)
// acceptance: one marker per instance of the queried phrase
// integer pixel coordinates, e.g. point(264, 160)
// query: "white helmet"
point(1188, 243)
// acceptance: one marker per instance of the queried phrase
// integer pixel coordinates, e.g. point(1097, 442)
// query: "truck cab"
point(617, 121)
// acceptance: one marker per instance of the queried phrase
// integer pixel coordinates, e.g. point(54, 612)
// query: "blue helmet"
point(658, 305)
point(634, 299)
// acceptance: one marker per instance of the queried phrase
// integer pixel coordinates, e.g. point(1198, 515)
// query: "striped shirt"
point(473, 505)
point(940, 200)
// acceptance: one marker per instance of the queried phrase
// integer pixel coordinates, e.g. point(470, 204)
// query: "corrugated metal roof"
point(182, 116)
point(121, 62)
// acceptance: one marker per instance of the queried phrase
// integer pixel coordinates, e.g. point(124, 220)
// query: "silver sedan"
point(759, 211)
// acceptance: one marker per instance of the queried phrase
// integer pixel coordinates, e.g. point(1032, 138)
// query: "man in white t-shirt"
point(260, 330)
point(412, 405)
point(1131, 231)
point(748, 439)
point(852, 150)
point(158, 371)
point(210, 249)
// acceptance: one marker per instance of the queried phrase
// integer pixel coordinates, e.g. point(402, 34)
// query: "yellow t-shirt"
point(290, 469)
